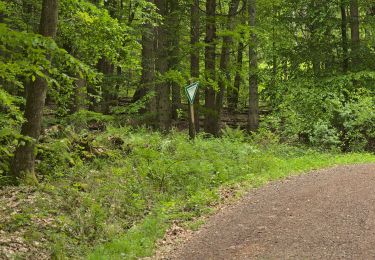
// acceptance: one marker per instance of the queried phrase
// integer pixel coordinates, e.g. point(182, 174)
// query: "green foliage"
point(28, 55)
point(91, 32)
point(233, 134)
point(54, 157)
point(333, 113)
point(127, 114)
point(323, 136)
point(10, 119)
point(85, 119)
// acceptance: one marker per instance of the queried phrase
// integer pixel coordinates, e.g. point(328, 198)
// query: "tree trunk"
point(147, 82)
point(233, 94)
point(253, 116)
point(210, 61)
point(354, 26)
point(23, 165)
point(147, 63)
point(194, 55)
point(79, 95)
point(173, 25)
point(274, 57)
point(162, 88)
point(224, 78)
point(107, 68)
point(344, 38)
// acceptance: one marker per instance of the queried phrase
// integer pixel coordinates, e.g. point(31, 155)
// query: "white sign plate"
point(191, 91)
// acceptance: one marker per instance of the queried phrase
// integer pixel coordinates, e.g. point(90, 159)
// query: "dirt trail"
point(327, 214)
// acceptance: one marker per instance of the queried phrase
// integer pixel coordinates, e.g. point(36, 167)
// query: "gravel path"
point(327, 214)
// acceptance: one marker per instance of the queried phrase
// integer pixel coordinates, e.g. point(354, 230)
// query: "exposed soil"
point(326, 214)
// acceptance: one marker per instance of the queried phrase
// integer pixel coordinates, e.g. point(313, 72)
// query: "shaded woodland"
point(303, 70)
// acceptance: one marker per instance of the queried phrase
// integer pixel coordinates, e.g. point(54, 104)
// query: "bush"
point(324, 136)
point(85, 119)
point(10, 121)
point(330, 113)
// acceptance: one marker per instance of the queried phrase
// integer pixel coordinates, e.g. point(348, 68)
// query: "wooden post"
point(191, 91)
point(192, 122)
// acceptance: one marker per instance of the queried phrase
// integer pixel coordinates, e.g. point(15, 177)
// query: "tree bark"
point(173, 25)
point(354, 26)
point(224, 78)
point(147, 82)
point(163, 90)
point(344, 38)
point(23, 164)
point(147, 63)
point(210, 64)
point(79, 95)
point(233, 94)
point(194, 55)
point(253, 115)
point(107, 68)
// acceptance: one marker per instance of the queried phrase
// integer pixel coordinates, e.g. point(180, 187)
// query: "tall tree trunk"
point(233, 93)
point(354, 26)
point(147, 63)
point(23, 165)
point(210, 64)
point(162, 88)
point(147, 82)
point(274, 57)
point(344, 37)
point(253, 116)
point(173, 25)
point(194, 54)
point(371, 34)
point(224, 78)
point(80, 96)
point(107, 68)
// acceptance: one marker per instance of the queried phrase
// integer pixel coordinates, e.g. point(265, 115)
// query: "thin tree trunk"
point(23, 165)
point(354, 26)
point(194, 55)
point(107, 68)
point(224, 78)
point(210, 64)
point(147, 63)
point(147, 82)
point(173, 25)
point(163, 90)
point(344, 38)
point(253, 116)
point(233, 94)
point(274, 57)
point(79, 95)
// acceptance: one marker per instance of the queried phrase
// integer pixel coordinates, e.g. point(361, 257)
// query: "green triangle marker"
point(191, 91)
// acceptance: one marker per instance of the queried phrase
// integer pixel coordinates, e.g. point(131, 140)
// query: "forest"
point(95, 154)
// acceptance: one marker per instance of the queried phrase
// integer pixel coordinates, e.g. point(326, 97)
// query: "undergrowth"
point(112, 194)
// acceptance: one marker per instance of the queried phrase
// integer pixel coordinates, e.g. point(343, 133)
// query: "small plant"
point(324, 136)
point(234, 134)
point(85, 119)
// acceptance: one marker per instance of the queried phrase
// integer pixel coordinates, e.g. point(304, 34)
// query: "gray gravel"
point(326, 214)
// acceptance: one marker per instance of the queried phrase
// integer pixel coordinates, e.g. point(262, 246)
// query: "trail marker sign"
point(191, 91)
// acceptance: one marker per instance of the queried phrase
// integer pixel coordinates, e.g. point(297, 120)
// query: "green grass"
point(266, 166)
point(112, 195)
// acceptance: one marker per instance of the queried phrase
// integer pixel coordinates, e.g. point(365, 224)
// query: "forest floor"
point(326, 214)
